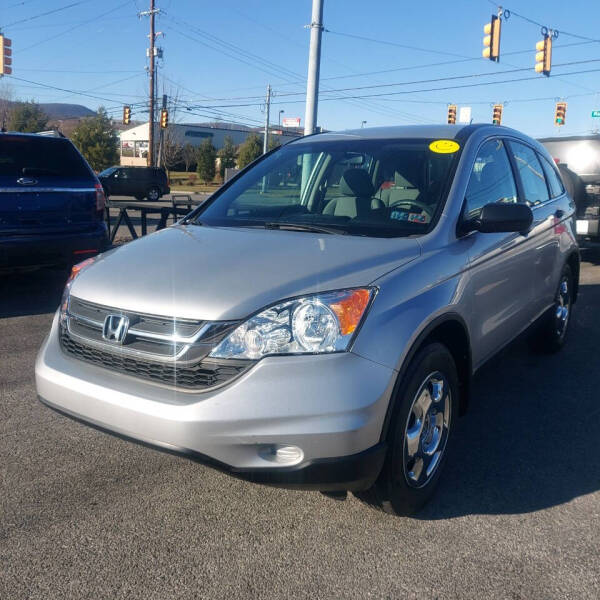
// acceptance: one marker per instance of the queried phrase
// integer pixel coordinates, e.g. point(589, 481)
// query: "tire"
point(153, 194)
point(418, 445)
point(551, 334)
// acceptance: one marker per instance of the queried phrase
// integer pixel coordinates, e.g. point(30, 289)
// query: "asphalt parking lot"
point(517, 515)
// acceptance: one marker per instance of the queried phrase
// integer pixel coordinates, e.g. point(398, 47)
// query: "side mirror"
point(502, 218)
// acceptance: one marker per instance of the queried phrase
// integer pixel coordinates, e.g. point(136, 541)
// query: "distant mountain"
point(58, 110)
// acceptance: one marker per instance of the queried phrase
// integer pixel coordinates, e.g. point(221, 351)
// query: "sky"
point(382, 62)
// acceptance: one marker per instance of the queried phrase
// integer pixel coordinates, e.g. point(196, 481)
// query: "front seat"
point(357, 196)
point(402, 190)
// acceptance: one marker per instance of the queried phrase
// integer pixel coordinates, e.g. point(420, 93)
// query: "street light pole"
point(279, 117)
point(314, 66)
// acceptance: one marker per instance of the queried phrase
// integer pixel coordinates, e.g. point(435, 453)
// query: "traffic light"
point(560, 113)
point(5, 56)
point(126, 115)
point(497, 114)
point(164, 118)
point(491, 41)
point(543, 56)
point(451, 114)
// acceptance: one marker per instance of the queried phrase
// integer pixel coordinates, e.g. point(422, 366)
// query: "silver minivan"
point(316, 323)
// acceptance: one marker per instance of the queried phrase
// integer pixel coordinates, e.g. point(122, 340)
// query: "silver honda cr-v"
point(316, 323)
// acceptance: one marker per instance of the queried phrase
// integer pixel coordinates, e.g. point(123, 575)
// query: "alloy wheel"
point(562, 307)
point(427, 429)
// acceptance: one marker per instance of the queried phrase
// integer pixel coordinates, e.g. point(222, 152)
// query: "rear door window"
point(491, 179)
point(30, 156)
point(531, 173)
point(552, 177)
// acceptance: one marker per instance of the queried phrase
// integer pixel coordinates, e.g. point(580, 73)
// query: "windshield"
point(359, 187)
point(107, 172)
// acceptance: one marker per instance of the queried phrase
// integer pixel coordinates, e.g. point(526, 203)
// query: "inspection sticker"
point(444, 146)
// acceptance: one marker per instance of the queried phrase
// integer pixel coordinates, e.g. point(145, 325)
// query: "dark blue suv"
point(51, 203)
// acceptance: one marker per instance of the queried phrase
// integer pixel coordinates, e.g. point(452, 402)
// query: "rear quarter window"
point(30, 156)
point(552, 177)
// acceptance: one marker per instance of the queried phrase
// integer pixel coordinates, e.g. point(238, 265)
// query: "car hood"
point(216, 273)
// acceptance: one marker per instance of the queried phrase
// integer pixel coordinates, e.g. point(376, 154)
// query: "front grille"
point(164, 350)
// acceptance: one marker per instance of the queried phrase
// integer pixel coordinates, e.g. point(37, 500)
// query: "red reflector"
point(85, 251)
point(100, 197)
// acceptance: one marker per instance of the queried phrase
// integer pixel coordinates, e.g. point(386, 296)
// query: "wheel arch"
point(450, 330)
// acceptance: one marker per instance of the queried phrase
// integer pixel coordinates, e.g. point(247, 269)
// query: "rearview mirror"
point(502, 218)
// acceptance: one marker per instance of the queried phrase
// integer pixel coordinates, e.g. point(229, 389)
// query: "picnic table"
point(179, 205)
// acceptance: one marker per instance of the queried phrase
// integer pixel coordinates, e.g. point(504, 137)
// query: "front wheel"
point(419, 435)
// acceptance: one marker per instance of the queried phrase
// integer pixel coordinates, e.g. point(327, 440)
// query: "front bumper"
point(332, 407)
point(51, 248)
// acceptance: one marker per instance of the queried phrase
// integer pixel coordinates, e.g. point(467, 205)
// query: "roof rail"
point(51, 133)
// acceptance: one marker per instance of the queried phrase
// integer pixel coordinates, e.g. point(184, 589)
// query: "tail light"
point(100, 197)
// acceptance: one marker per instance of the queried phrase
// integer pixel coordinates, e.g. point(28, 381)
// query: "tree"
point(227, 156)
point(27, 117)
point(188, 155)
point(250, 150)
point(97, 140)
point(172, 150)
point(205, 159)
point(6, 103)
point(273, 143)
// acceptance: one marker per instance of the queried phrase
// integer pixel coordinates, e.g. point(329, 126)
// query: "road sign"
point(464, 114)
point(596, 113)
point(291, 122)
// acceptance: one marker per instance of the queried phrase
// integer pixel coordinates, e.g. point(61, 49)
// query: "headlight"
point(312, 324)
point(76, 269)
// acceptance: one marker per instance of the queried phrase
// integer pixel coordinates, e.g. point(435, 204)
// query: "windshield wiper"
point(303, 227)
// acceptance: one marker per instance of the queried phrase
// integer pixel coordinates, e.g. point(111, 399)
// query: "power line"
point(18, 4)
point(72, 92)
point(50, 12)
point(403, 83)
point(395, 44)
point(512, 13)
point(265, 65)
point(70, 29)
point(484, 83)
point(102, 72)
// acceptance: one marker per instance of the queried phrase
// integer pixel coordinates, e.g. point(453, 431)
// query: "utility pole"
point(267, 115)
point(161, 142)
point(151, 115)
point(314, 67)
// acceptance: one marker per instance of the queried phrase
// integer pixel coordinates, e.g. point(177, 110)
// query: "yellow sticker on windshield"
point(444, 146)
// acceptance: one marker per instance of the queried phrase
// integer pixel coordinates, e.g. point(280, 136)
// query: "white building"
point(134, 141)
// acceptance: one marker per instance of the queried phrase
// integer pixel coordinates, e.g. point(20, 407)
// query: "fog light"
point(283, 455)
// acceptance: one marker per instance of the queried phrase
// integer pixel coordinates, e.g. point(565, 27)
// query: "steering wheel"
point(408, 203)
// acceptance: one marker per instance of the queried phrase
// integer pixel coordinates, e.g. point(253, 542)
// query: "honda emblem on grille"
point(115, 328)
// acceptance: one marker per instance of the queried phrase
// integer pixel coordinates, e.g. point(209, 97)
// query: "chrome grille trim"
point(150, 337)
